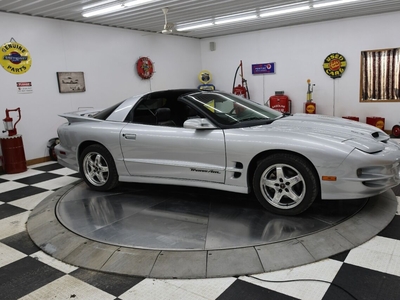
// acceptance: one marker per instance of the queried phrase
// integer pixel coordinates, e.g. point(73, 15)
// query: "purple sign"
point(267, 68)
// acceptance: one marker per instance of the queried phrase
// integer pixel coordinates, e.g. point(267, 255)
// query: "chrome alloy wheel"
point(282, 186)
point(95, 168)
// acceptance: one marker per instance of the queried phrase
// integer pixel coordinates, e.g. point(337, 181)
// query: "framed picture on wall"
point(71, 82)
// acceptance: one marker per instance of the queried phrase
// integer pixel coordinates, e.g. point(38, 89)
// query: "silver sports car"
point(220, 141)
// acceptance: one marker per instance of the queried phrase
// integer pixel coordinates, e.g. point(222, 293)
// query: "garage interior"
point(192, 243)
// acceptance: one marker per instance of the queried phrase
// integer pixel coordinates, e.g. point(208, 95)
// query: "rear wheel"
point(98, 168)
point(285, 184)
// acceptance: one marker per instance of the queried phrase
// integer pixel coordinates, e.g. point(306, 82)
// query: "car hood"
point(359, 135)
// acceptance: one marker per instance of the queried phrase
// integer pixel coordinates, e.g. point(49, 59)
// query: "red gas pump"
point(8, 122)
point(12, 147)
point(240, 90)
point(280, 102)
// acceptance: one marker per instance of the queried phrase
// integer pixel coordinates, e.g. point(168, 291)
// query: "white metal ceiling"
point(150, 18)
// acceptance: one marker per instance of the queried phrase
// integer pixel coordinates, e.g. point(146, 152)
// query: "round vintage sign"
point(15, 58)
point(205, 77)
point(145, 67)
point(335, 65)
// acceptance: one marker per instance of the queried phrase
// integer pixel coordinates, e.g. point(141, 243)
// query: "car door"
point(174, 152)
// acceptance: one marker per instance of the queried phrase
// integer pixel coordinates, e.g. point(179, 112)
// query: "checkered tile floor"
point(370, 271)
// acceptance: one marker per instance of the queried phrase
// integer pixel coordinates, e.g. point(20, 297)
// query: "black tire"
point(285, 184)
point(97, 168)
point(52, 152)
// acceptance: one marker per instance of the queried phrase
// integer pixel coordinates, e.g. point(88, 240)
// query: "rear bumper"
point(66, 158)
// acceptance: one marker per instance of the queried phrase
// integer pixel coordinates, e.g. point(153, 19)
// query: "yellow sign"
point(334, 65)
point(205, 77)
point(15, 58)
point(310, 109)
point(380, 124)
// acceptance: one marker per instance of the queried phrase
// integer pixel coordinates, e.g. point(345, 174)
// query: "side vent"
point(381, 137)
point(239, 166)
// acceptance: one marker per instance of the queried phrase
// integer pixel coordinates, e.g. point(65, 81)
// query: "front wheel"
point(98, 168)
point(285, 184)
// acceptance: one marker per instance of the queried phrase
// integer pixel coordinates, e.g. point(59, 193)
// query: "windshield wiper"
point(252, 119)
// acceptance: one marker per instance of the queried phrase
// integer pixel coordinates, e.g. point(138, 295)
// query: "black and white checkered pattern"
point(370, 271)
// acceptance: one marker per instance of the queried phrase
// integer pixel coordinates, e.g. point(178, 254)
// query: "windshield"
point(229, 109)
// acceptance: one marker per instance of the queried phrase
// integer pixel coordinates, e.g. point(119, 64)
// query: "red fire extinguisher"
point(8, 122)
point(240, 90)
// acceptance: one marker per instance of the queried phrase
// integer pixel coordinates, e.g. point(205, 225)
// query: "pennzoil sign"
point(15, 58)
point(334, 65)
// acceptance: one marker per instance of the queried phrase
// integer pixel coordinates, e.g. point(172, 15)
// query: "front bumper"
point(364, 175)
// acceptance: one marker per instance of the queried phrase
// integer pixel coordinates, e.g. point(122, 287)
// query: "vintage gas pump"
point(243, 89)
point(12, 147)
point(310, 107)
point(8, 122)
point(280, 102)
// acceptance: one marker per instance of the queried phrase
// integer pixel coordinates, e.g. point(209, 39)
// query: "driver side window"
point(146, 111)
point(161, 112)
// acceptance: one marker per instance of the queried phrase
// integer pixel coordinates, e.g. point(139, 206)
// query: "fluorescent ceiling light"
point(102, 11)
point(276, 12)
point(234, 18)
point(331, 3)
point(97, 4)
point(136, 2)
point(194, 26)
point(109, 9)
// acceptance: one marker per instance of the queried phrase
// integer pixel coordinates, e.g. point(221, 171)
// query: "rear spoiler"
point(80, 116)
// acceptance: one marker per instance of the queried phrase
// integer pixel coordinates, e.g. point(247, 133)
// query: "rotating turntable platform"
point(179, 232)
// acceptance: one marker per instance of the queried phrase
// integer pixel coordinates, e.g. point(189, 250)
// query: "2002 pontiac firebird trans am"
point(220, 141)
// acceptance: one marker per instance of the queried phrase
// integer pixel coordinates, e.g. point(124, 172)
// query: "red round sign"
point(144, 67)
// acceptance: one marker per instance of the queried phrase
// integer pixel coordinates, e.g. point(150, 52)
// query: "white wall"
point(299, 53)
point(106, 55)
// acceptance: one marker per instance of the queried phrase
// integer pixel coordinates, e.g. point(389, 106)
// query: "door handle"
point(129, 136)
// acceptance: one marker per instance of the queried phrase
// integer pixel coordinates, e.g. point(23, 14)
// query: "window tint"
point(145, 112)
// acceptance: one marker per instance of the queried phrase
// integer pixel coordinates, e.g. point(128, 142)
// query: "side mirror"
point(198, 123)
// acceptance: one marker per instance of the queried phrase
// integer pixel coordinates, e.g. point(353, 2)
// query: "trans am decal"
point(204, 171)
